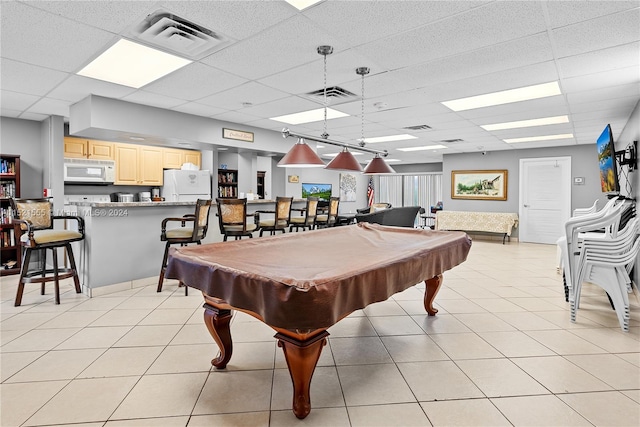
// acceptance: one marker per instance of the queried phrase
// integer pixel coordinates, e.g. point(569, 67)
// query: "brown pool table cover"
point(312, 279)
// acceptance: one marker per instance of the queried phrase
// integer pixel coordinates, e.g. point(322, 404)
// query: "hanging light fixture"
point(377, 165)
point(301, 156)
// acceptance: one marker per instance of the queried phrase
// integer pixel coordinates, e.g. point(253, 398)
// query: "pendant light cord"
point(325, 135)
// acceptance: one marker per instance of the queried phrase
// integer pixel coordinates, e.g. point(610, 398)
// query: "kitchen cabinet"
point(138, 165)
point(80, 148)
point(10, 250)
point(174, 158)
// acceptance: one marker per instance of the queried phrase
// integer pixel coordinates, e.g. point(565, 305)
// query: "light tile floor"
point(501, 351)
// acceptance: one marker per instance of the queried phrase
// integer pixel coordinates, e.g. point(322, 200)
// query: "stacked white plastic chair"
point(594, 250)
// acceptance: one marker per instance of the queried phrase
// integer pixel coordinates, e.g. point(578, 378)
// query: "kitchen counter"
point(160, 204)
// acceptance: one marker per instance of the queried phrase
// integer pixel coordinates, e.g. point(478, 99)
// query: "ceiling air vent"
point(173, 34)
point(418, 127)
point(451, 141)
point(335, 95)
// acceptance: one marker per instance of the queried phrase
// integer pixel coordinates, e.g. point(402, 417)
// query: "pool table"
point(302, 283)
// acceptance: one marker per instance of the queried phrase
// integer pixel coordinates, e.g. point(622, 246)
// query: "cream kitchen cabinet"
point(174, 158)
point(88, 149)
point(138, 164)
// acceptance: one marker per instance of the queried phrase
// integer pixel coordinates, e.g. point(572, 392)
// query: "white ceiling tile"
point(251, 92)
point(608, 93)
point(622, 76)
point(29, 79)
point(193, 82)
point(50, 106)
point(76, 88)
point(234, 117)
point(606, 105)
point(601, 33)
point(153, 99)
point(16, 101)
point(623, 56)
point(5, 112)
point(52, 41)
point(563, 13)
point(280, 107)
point(35, 116)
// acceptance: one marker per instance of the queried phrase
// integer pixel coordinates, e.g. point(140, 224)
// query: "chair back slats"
point(232, 213)
point(283, 209)
point(312, 210)
point(203, 206)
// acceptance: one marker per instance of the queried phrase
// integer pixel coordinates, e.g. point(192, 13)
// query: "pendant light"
point(377, 165)
point(301, 156)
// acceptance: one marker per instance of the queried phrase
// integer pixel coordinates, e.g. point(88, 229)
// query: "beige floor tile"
point(196, 334)
point(235, 391)
point(440, 324)
point(325, 389)
point(499, 305)
point(534, 304)
point(413, 348)
point(559, 375)
point(465, 346)
point(150, 422)
point(57, 365)
point(178, 300)
point(612, 340)
point(455, 306)
point(384, 308)
point(515, 344)
point(484, 322)
point(120, 362)
point(135, 303)
point(359, 351)
point(185, 358)
point(20, 401)
point(509, 292)
point(251, 332)
point(73, 319)
point(632, 394)
point(353, 327)
point(26, 321)
point(609, 368)
point(252, 355)
point(562, 319)
point(526, 321)
point(475, 293)
point(564, 342)
point(500, 377)
point(254, 419)
point(321, 417)
point(633, 358)
point(374, 385)
point(395, 325)
point(409, 294)
point(100, 303)
point(93, 400)
point(605, 408)
point(102, 337)
point(416, 308)
point(140, 336)
point(172, 316)
point(39, 339)
point(161, 396)
point(10, 363)
point(8, 336)
point(119, 317)
point(402, 414)
point(467, 412)
point(440, 380)
point(536, 411)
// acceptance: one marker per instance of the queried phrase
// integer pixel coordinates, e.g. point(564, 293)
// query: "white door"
point(545, 198)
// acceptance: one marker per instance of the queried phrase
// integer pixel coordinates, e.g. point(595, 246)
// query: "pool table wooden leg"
point(433, 286)
point(302, 357)
point(217, 321)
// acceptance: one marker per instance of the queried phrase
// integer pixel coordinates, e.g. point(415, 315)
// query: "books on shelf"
point(7, 238)
point(7, 166)
point(6, 215)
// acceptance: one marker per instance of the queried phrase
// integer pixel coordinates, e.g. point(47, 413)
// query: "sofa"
point(374, 208)
point(399, 217)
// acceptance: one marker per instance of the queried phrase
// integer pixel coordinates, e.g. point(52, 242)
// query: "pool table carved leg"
point(433, 286)
point(302, 358)
point(217, 321)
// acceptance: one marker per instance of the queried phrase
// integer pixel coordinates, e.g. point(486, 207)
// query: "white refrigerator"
point(186, 185)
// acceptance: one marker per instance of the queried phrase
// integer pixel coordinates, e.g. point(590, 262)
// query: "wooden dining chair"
point(282, 216)
point(193, 228)
point(308, 219)
point(330, 218)
point(232, 218)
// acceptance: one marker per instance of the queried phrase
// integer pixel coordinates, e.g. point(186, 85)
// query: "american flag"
point(370, 191)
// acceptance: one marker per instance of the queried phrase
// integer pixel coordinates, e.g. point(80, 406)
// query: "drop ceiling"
point(420, 53)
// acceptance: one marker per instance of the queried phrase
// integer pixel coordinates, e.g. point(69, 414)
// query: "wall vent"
point(171, 33)
point(418, 127)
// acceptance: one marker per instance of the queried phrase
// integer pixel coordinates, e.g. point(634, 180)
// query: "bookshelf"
point(228, 183)
point(10, 250)
point(260, 183)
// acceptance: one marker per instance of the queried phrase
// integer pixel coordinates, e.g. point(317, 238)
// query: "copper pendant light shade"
point(301, 156)
point(344, 161)
point(377, 166)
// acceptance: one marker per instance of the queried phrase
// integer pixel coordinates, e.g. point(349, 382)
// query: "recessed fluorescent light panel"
point(302, 4)
point(527, 123)
point(309, 116)
point(423, 148)
point(392, 160)
point(389, 138)
point(504, 97)
point(131, 64)
point(539, 138)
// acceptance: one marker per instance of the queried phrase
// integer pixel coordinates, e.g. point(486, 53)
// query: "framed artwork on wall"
point(347, 187)
point(479, 184)
point(294, 178)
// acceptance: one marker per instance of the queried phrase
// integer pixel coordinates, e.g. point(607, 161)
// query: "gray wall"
point(584, 164)
point(417, 168)
point(23, 138)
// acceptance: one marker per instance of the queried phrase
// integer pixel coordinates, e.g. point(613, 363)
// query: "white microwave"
point(88, 171)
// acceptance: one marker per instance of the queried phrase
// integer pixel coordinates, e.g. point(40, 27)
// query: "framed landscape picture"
point(479, 184)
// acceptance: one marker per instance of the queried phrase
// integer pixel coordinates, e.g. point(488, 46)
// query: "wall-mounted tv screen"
point(607, 162)
point(321, 191)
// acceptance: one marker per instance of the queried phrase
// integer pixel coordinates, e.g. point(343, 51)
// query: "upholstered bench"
point(485, 222)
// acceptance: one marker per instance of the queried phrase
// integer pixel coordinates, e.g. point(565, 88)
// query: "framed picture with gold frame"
point(294, 178)
point(479, 184)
